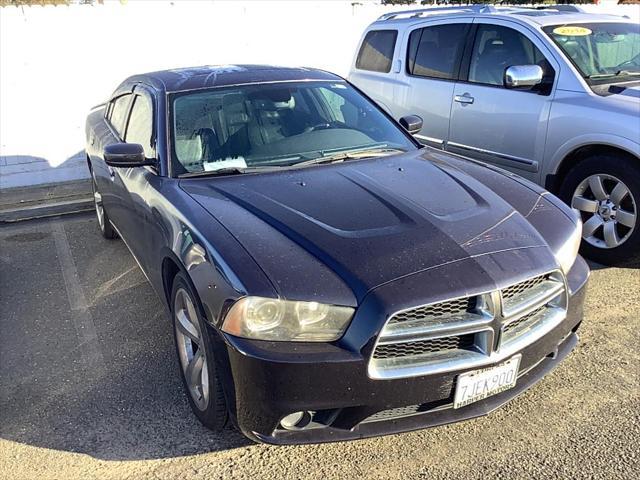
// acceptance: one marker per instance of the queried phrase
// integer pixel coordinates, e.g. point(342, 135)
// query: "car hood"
point(363, 223)
point(621, 94)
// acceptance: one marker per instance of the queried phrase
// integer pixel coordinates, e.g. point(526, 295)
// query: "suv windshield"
point(602, 52)
point(277, 125)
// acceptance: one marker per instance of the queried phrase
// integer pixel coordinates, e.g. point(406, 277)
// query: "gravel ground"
point(89, 387)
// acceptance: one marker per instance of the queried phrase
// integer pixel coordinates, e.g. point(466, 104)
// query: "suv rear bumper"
point(266, 381)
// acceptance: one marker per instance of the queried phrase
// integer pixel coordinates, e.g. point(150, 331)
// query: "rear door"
point(116, 116)
point(430, 66)
point(132, 184)
point(489, 122)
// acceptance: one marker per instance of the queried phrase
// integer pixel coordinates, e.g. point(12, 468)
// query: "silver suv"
point(550, 94)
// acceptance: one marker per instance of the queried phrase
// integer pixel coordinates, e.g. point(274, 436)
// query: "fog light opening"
point(296, 420)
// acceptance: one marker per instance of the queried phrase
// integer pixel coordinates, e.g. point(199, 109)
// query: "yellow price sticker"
point(572, 31)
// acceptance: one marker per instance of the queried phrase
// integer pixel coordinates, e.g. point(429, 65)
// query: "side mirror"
point(523, 76)
point(126, 155)
point(411, 123)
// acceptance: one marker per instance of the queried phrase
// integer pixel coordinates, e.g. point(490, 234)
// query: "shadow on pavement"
point(126, 401)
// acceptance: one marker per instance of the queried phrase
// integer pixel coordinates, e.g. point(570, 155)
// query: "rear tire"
point(196, 356)
point(606, 190)
point(104, 224)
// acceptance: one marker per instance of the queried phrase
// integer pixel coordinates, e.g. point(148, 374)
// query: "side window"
point(495, 48)
point(376, 52)
point(109, 110)
point(435, 51)
point(119, 113)
point(140, 126)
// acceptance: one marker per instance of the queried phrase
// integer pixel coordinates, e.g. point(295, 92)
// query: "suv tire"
point(196, 356)
point(594, 187)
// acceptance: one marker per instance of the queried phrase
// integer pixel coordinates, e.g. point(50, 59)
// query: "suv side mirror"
point(411, 123)
point(523, 76)
point(126, 155)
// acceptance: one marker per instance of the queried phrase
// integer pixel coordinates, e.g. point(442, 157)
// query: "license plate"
point(480, 384)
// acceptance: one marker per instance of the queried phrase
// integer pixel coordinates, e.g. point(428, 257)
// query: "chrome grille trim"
point(501, 323)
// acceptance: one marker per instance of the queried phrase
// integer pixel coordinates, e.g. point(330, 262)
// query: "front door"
point(506, 127)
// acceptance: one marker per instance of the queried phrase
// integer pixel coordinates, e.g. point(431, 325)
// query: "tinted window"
point(119, 112)
point(495, 48)
point(376, 51)
point(435, 51)
point(140, 125)
point(276, 125)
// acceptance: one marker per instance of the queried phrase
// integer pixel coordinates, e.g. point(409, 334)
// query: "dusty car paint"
point(380, 235)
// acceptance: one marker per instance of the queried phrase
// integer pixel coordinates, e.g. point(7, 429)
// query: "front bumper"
point(265, 381)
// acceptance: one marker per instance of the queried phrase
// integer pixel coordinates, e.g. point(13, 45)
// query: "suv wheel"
point(606, 191)
point(104, 223)
point(196, 357)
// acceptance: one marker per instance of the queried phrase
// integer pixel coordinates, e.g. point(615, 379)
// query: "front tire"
point(606, 190)
point(196, 357)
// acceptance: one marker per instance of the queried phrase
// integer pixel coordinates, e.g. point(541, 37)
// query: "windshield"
point(276, 125)
point(602, 52)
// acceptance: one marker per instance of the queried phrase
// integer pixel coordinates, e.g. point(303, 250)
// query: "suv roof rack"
point(425, 11)
point(561, 8)
point(475, 9)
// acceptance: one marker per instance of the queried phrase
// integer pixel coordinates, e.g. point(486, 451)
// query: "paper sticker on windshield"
point(572, 31)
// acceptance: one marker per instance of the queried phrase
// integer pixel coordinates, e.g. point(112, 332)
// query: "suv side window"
point(376, 52)
point(119, 113)
point(495, 48)
point(140, 126)
point(435, 51)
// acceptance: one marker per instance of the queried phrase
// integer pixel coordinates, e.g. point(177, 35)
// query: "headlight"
point(567, 253)
point(281, 320)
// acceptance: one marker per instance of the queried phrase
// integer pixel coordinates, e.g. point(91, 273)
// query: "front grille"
point(393, 413)
point(450, 308)
point(431, 346)
point(522, 287)
point(524, 320)
point(469, 332)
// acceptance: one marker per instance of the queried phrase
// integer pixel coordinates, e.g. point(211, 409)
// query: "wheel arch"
point(579, 153)
point(171, 266)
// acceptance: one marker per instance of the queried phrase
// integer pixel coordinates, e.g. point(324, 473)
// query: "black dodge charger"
point(327, 276)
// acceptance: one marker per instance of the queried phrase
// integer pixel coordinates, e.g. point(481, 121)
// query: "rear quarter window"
point(376, 52)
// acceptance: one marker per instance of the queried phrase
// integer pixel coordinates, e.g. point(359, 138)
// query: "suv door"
point(489, 122)
point(426, 84)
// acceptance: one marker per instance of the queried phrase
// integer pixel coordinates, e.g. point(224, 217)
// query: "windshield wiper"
point(349, 155)
point(616, 74)
point(228, 171)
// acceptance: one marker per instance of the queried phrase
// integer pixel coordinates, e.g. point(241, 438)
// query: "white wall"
point(57, 62)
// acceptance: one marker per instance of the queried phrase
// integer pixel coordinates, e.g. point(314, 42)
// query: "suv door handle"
point(464, 98)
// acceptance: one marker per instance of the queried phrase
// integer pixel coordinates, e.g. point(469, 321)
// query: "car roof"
point(208, 76)
point(540, 16)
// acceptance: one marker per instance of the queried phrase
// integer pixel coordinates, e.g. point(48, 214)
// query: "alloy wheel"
point(608, 209)
point(191, 350)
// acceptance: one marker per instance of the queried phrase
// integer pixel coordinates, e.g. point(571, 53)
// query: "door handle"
point(464, 98)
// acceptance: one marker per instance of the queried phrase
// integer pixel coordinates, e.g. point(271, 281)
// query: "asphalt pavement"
point(89, 386)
